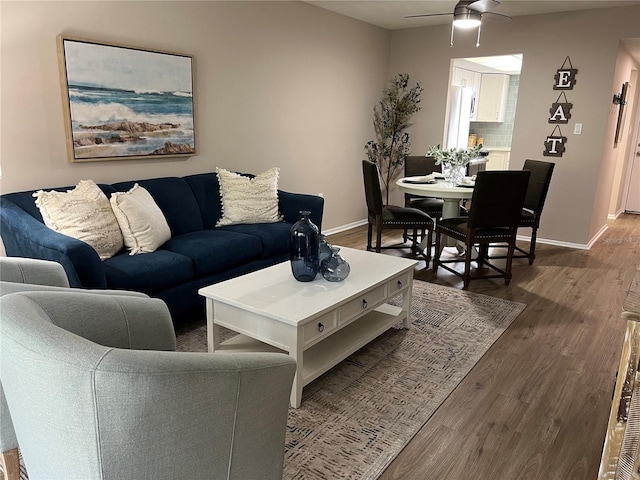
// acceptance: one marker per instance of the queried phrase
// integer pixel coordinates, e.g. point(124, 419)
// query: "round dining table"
point(451, 194)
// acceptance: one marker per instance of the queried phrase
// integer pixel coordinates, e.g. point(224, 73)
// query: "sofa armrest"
point(25, 236)
point(292, 203)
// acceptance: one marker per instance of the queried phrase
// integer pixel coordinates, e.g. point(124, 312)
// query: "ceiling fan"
point(469, 14)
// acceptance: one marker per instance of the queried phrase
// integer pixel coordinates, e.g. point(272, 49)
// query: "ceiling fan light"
point(467, 19)
point(466, 23)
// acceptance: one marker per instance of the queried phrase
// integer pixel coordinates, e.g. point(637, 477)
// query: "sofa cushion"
point(148, 273)
point(83, 213)
point(214, 250)
point(206, 190)
point(176, 200)
point(273, 236)
point(142, 222)
point(248, 200)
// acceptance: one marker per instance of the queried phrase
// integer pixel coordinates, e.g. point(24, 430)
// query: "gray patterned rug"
point(357, 417)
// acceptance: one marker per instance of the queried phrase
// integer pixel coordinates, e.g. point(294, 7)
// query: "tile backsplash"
point(498, 134)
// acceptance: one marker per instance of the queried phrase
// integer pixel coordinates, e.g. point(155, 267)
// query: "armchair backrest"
point(497, 198)
point(86, 410)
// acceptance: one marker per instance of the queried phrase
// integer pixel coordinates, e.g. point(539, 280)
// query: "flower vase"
point(304, 241)
point(453, 174)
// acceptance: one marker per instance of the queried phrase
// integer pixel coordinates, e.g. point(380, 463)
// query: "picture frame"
point(122, 102)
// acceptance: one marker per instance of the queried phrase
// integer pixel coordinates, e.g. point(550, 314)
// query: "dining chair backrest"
point(498, 198)
point(539, 182)
point(372, 190)
point(415, 165)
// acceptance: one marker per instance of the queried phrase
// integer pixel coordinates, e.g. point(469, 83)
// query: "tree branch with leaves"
point(390, 121)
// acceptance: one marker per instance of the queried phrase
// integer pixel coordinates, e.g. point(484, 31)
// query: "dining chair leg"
point(507, 270)
point(466, 276)
point(369, 235)
point(427, 257)
point(436, 253)
point(483, 254)
point(532, 245)
point(378, 239)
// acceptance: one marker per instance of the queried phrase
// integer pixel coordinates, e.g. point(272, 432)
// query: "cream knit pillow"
point(249, 200)
point(142, 222)
point(83, 213)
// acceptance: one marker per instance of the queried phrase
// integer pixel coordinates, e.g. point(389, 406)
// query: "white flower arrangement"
point(454, 157)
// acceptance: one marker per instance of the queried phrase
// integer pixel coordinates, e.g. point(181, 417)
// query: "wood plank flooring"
point(536, 406)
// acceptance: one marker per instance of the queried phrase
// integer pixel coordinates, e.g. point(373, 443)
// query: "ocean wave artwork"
point(127, 103)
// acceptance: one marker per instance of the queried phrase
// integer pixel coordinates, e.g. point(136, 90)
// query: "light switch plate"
point(577, 130)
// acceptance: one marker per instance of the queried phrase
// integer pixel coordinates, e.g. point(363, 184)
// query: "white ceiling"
point(390, 14)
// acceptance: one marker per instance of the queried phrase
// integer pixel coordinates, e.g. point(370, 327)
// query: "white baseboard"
point(343, 228)
point(546, 241)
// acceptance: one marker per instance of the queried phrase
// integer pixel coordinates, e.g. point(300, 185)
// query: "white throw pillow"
point(142, 222)
point(249, 200)
point(83, 213)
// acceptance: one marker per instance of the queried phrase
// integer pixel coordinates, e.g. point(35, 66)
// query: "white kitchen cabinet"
point(492, 100)
point(498, 160)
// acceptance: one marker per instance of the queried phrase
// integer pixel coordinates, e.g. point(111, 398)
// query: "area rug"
point(357, 417)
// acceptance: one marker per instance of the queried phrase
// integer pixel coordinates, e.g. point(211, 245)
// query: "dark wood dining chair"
point(496, 205)
point(537, 190)
point(386, 217)
point(419, 165)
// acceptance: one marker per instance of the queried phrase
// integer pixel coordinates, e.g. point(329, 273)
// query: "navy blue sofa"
point(198, 254)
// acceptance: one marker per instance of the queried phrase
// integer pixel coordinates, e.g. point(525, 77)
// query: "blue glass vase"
point(324, 250)
point(335, 268)
point(304, 248)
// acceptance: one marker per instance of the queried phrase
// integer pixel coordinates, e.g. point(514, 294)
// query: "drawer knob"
point(320, 327)
point(364, 303)
point(399, 283)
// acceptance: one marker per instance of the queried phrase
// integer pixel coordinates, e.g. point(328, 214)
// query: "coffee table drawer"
point(320, 327)
point(363, 303)
point(397, 284)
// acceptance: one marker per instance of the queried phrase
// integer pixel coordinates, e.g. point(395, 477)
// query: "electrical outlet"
point(577, 130)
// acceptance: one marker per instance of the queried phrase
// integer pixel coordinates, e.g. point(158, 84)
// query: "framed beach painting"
point(123, 102)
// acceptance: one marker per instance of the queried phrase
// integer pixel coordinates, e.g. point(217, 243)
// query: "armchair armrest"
point(25, 236)
point(134, 322)
point(292, 203)
point(32, 271)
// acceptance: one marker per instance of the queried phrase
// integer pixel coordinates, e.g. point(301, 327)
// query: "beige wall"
point(576, 208)
point(277, 84)
point(293, 85)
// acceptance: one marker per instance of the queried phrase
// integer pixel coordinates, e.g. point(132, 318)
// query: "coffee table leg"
point(213, 332)
point(406, 305)
point(296, 389)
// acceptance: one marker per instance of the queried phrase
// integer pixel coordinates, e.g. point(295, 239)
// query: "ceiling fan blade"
point(496, 17)
point(428, 15)
point(483, 5)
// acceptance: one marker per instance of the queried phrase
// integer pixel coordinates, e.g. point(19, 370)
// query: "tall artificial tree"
point(390, 121)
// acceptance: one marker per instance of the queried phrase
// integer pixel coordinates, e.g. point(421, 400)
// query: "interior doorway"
point(492, 85)
point(632, 201)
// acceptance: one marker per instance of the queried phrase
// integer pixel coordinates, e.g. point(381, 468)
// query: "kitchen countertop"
point(497, 149)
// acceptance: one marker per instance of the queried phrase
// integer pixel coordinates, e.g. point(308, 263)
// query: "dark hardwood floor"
point(536, 406)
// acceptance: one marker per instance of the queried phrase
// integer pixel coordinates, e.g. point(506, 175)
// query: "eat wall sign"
point(560, 112)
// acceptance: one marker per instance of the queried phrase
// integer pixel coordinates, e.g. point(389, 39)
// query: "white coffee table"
point(318, 323)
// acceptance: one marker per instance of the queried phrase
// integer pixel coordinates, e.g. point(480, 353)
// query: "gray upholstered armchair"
point(94, 391)
point(18, 275)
